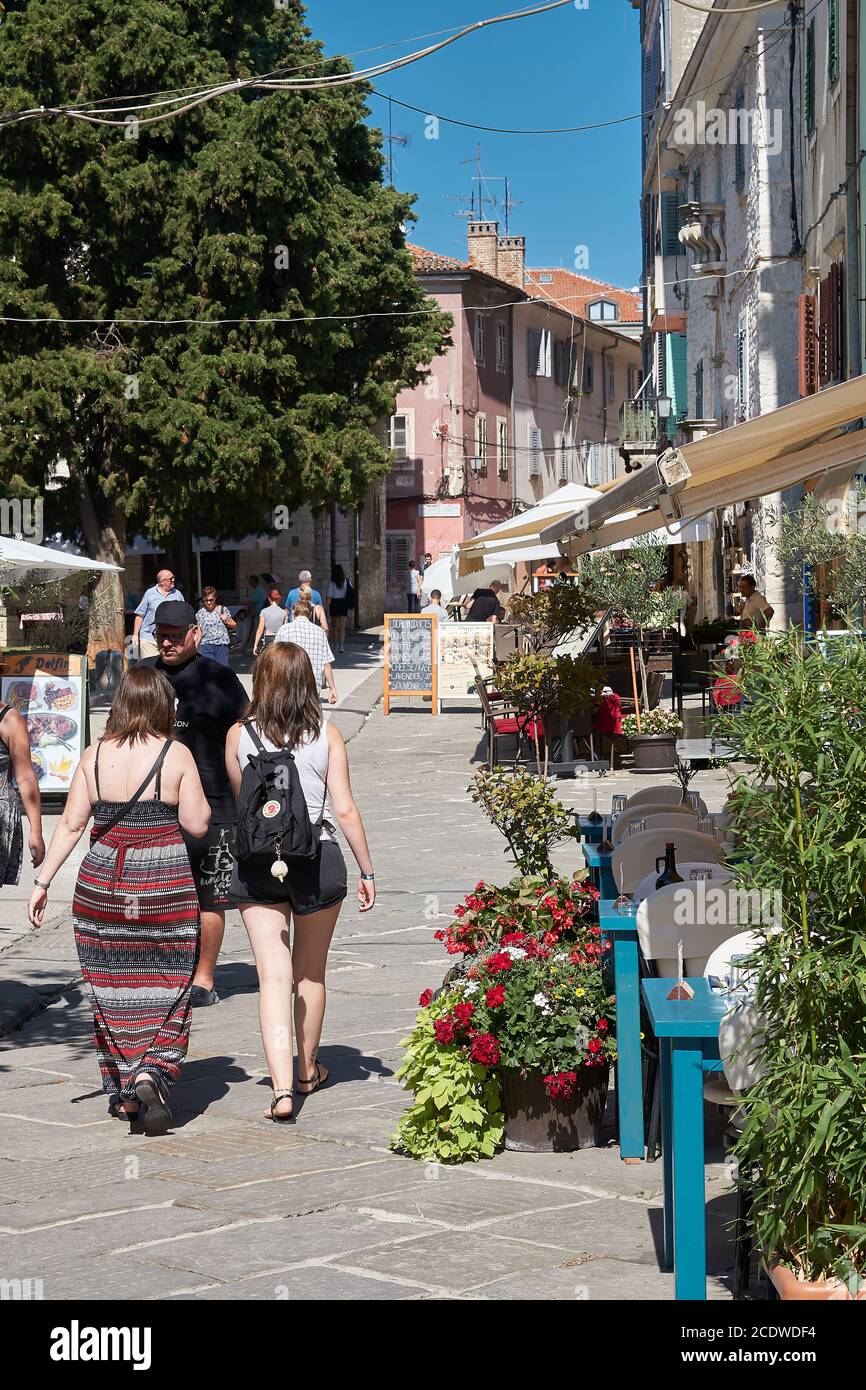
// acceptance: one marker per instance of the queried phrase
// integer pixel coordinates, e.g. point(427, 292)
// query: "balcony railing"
point(638, 423)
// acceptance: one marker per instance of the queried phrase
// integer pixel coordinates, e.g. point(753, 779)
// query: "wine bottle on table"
point(669, 872)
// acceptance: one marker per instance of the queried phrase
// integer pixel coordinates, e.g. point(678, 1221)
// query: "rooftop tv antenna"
point(393, 140)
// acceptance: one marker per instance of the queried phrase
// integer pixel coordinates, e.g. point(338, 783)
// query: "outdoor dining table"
point(600, 872)
point(688, 1035)
point(621, 929)
point(591, 831)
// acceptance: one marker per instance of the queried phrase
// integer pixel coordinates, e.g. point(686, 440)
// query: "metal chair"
point(504, 721)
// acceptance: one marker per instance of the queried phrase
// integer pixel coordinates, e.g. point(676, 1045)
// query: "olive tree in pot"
point(545, 689)
point(801, 818)
point(629, 582)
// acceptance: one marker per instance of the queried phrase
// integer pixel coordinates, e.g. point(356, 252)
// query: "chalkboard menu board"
point(411, 657)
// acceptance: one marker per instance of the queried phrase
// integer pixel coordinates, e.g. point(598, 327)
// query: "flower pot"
point(536, 1124)
point(791, 1289)
point(654, 752)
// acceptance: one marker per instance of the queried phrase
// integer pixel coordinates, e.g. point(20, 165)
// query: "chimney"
point(511, 260)
point(482, 238)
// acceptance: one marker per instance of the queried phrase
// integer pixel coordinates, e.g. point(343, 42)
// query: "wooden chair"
point(504, 721)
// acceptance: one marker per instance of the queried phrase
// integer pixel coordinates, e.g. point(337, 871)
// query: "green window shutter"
point(676, 377)
point(810, 78)
point(832, 42)
point(670, 225)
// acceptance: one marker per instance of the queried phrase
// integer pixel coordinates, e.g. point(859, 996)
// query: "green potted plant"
point(547, 688)
point(630, 582)
point(518, 1041)
point(547, 616)
point(653, 737)
point(526, 810)
point(800, 814)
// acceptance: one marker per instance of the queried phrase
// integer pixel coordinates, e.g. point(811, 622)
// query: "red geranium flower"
point(594, 1045)
point(495, 996)
point(463, 1013)
point(459, 911)
point(602, 1025)
point(485, 1049)
point(498, 962)
point(426, 998)
point(444, 1030)
point(560, 1084)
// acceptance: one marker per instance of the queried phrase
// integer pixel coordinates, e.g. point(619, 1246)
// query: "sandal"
point(314, 1082)
point(157, 1116)
point(116, 1113)
point(271, 1114)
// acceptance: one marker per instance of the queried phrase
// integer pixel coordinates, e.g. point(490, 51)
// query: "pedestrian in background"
point(304, 633)
point(145, 614)
point(340, 596)
point(271, 619)
point(209, 699)
point(17, 784)
point(414, 593)
point(214, 622)
point(285, 713)
point(135, 911)
point(435, 606)
point(305, 577)
point(257, 597)
point(305, 595)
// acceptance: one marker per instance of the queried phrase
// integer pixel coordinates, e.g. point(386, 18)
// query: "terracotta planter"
point(536, 1124)
point(654, 752)
point(793, 1290)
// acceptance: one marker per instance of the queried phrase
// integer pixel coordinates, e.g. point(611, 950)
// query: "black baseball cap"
point(175, 613)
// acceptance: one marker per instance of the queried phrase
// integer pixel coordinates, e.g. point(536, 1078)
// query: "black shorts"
point(308, 887)
point(212, 860)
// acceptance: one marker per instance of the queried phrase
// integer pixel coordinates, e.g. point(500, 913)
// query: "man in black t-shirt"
point(209, 699)
point(486, 605)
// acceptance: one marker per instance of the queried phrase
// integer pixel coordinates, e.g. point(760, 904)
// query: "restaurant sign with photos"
point(49, 690)
point(465, 651)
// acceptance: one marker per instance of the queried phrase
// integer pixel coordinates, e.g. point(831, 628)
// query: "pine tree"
point(254, 206)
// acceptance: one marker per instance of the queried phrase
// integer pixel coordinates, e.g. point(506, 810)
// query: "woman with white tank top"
point(286, 713)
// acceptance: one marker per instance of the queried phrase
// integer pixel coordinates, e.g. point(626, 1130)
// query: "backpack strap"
point(251, 730)
point(136, 796)
point(96, 770)
point(3, 712)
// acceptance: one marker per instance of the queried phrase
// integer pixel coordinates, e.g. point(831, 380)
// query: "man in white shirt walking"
point(143, 635)
point(306, 634)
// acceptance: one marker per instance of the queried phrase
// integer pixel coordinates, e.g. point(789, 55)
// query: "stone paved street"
point(228, 1206)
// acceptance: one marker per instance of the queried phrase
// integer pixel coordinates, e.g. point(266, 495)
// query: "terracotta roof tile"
point(431, 261)
point(575, 293)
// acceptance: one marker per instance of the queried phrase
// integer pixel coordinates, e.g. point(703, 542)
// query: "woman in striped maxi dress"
point(135, 908)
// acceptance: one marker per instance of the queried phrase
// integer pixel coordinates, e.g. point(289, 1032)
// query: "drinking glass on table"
point(700, 875)
point(618, 805)
point(637, 826)
point(706, 826)
point(693, 799)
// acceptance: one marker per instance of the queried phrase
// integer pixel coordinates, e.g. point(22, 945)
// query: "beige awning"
point(520, 533)
point(809, 438)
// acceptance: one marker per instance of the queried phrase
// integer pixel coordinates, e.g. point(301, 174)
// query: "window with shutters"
point(560, 362)
point(398, 553)
point(535, 452)
point(538, 351)
point(743, 366)
point(402, 440)
point(480, 337)
point(501, 345)
point(588, 360)
point(661, 364)
point(807, 356)
point(830, 327)
point(481, 439)
point(809, 99)
point(698, 413)
point(739, 146)
point(609, 378)
point(670, 225)
point(832, 42)
point(696, 186)
point(502, 444)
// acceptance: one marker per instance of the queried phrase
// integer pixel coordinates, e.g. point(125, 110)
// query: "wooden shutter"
point(535, 454)
point(832, 42)
point(739, 148)
point(807, 357)
point(670, 225)
point(830, 327)
point(810, 77)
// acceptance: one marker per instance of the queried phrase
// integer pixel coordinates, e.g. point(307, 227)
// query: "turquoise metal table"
point(591, 831)
point(598, 864)
point(621, 929)
point(688, 1035)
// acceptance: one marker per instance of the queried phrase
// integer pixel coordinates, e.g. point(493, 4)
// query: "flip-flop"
point(157, 1116)
point(116, 1113)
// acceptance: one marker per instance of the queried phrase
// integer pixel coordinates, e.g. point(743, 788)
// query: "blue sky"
point(563, 68)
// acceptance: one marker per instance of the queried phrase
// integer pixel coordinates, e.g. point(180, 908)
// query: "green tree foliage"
point(254, 206)
point(551, 614)
point(824, 545)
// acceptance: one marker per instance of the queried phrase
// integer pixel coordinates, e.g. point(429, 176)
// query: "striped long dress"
point(136, 919)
